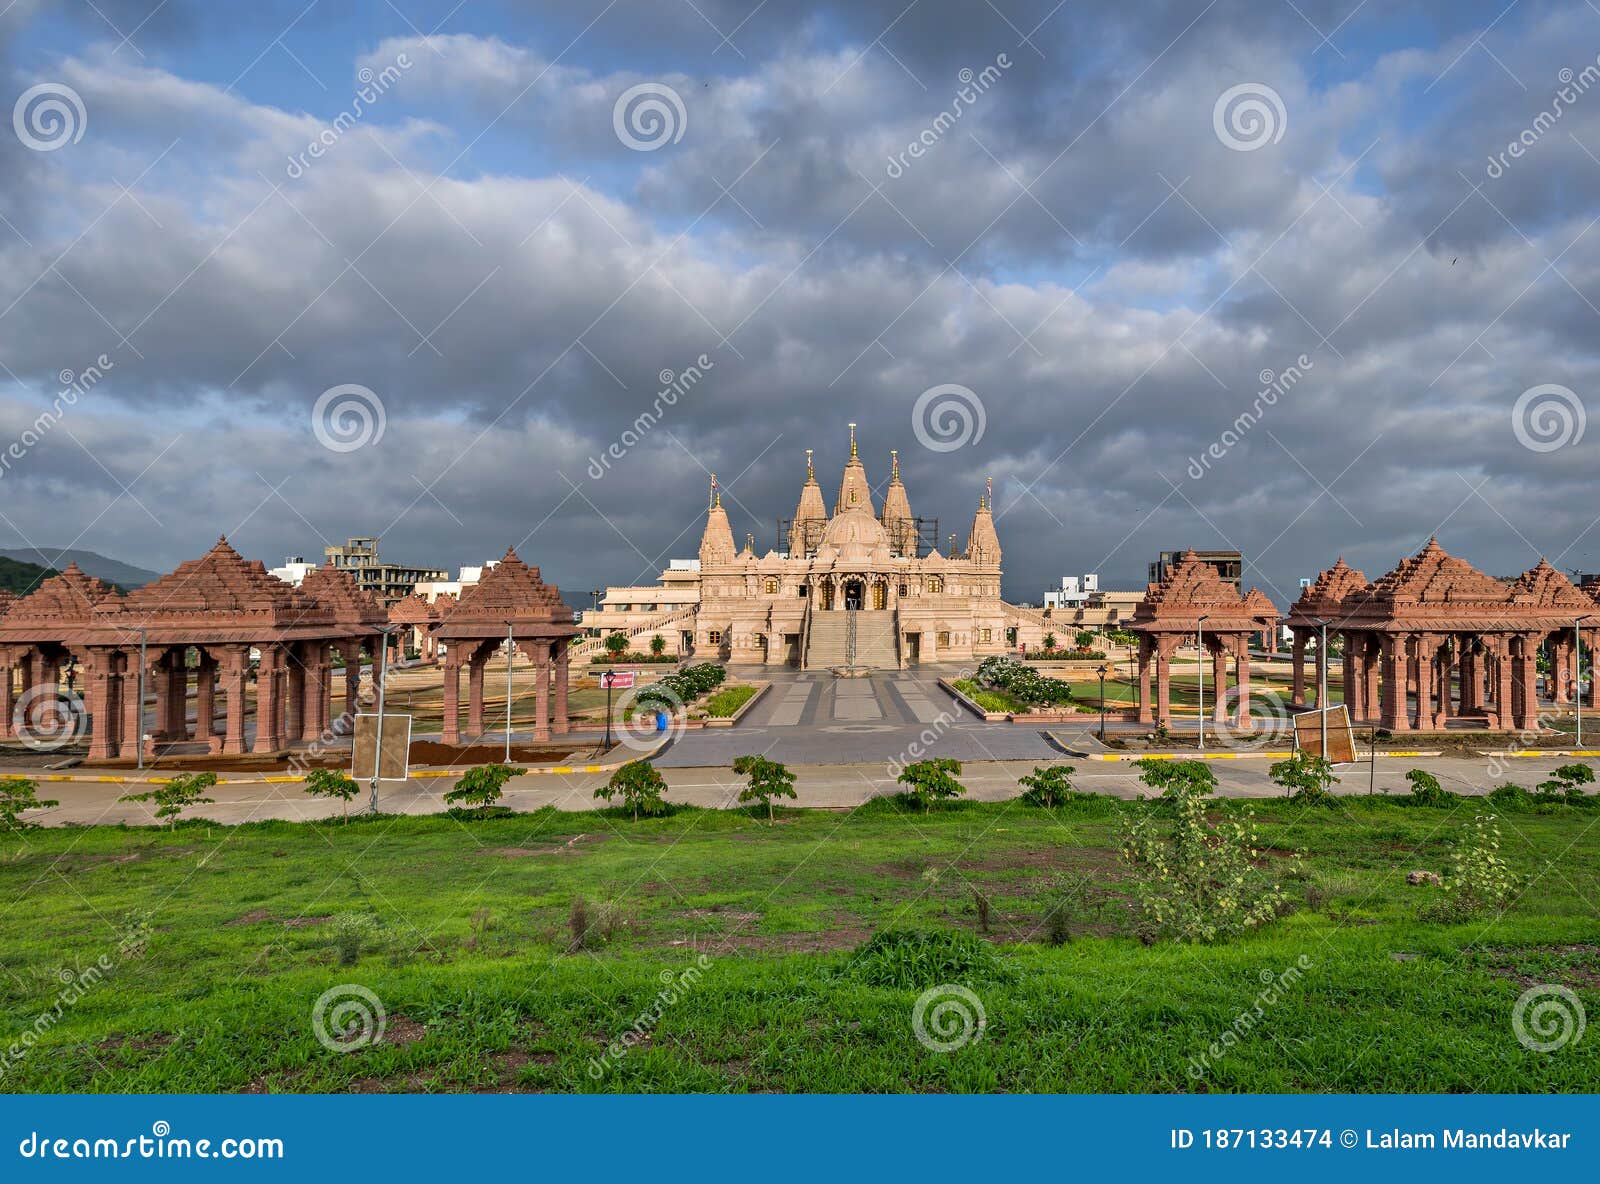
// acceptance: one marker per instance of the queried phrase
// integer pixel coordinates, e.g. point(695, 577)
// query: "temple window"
point(770, 586)
point(985, 635)
point(944, 638)
point(935, 584)
point(714, 637)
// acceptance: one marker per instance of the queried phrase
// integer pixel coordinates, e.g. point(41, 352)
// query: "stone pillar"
point(132, 706)
point(1164, 648)
point(1394, 710)
point(8, 700)
point(205, 700)
point(314, 691)
point(1503, 694)
point(1297, 657)
point(562, 659)
point(1146, 710)
point(235, 669)
point(1467, 666)
point(269, 706)
point(1219, 682)
point(1425, 663)
point(102, 713)
point(1525, 680)
point(450, 729)
point(1560, 670)
point(541, 693)
point(475, 665)
point(1241, 666)
point(1445, 683)
point(160, 674)
point(1371, 663)
point(351, 652)
point(1321, 673)
point(295, 699)
point(1354, 648)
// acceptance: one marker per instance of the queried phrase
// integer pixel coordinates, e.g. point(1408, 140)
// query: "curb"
point(1590, 752)
point(1272, 754)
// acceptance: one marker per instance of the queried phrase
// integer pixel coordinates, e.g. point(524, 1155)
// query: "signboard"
point(1341, 737)
point(396, 764)
point(616, 680)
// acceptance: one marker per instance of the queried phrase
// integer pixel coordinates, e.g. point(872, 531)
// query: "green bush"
point(1510, 797)
point(1304, 778)
point(480, 788)
point(767, 780)
point(681, 686)
point(640, 785)
point(1426, 790)
point(1050, 786)
point(1177, 779)
point(1192, 881)
point(616, 643)
point(350, 934)
point(332, 783)
point(914, 959)
point(1022, 683)
point(932, 781)
point(18, 794)
point(1566, 784)
point(1479, 880)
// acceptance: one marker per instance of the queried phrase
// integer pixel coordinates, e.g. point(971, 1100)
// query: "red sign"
point(617, 679)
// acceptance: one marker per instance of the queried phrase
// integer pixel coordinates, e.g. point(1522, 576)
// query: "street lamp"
point(1101, 671)
point(382, 678)
point(1322, 681)
point(1577, 673)
point(510, 650)
point(1200, 662)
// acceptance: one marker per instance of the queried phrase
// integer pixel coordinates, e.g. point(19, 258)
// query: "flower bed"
point(634, 659)
point(1026, 687)
point(1065, 656)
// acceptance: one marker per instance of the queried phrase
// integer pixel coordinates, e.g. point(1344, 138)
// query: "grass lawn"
point(988, 698)
point(470, 955)
point(726, 701)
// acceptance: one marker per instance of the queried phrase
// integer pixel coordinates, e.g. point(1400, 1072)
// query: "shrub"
point(1049, 641)
point(1304, 777)
point(1510, 797)
point(1196, 882)
point(1566, 784)
point(481, 788)
point(915, 958)
point(176, 796)
point(1177, 779)
point(1023, 683)
point(932, 780)
point(349, 934)
point(18, 794)
point(658, 645)
point(640, 785)
point(1426, 790)
point(616, 643)
point(768, 780)
point(1085, 638)
point(590, 929)
point(332, 783)
point(681, 686)
point(980, 904)
point(1049, 786)
point(1478, 880)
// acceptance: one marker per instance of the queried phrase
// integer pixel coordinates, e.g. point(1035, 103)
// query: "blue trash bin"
point(661, 721)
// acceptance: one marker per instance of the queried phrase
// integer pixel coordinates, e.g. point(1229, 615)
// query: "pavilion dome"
point(856, 534)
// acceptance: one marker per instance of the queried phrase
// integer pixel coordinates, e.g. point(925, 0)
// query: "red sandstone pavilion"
point(1432, 641)
point(245, 626)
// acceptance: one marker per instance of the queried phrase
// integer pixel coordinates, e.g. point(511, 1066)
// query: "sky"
point(1298, 278)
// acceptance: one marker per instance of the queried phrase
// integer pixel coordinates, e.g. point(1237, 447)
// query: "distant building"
point(631, 607)
point(1074, 591)
point(390, 582)
point(431, 590)
point(1229, 565)
point(294, 570)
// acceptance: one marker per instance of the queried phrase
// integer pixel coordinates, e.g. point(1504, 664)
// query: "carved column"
point(269, 707)
point(1241, 664)
point(314, 691)
point(235, 669)
point(451, 728)
point(159, 673)
point(475, 664)
point(541, 692)
point(561, 722)
point(8, 698)
point(1503, 683)
point(350, 651)
point(295, 699)
point(1560, 670)
point(1164, 646)
point(1371, 661)
point(205, 700)
point(1146, 710)
point(1297, 657)
point(1354, 648)
point(1425, 670)
point(98, 674)
point(1526, 673)
point(1394, 708)
point(1219, 681)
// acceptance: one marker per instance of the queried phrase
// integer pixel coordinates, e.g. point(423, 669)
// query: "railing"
point(586, 648)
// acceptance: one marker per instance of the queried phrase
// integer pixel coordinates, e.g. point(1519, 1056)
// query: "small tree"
point(1177, 778)
point(1478, 880)
point(616, 644)
point(768, 780)
point(1085, 638)
point(1049, 641)
point(16, 795)
point(1426, 790)
point(176, 796)
point(932, 780)
point(1304, 777)
point(1048, 785)
point(1567, 782)
point(332, 783)
point(481, 788)
point(640, 785)
point(658, 645)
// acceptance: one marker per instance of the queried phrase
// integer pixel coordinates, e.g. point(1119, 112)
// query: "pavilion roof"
point(59, 609)
point(1326, 598)
point(415, 610)
point(1193, 588)
point(352, 607)
point(511, 593)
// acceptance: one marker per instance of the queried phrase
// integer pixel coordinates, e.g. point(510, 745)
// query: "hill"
point(19, 576)
point(112, 571)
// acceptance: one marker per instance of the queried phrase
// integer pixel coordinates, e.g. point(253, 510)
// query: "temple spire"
point(897, 520)
point(852, 441)
point(810, 515)
point(716, 543)
point(983, 544)
point(855, 493)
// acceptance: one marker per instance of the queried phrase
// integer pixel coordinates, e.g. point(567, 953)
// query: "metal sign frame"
point(1341, 733)
point(390, 738)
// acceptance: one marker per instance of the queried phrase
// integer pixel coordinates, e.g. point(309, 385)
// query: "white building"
point(294, 570)
point(431, 590)
point(1075, 591)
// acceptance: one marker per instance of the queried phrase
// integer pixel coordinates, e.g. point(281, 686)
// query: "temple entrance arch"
point(854, 596)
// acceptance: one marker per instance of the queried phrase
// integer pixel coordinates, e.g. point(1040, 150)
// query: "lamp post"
point(1200, 662)
point(382, 677)
point(510, 651)
point(1577, 673)
point(1102, 673)
point(1322, 681)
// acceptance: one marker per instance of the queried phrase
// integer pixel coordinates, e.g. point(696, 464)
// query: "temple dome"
point(855, 534)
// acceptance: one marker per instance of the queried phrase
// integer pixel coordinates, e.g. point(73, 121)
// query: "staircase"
point(863, 638)
point(589, 647)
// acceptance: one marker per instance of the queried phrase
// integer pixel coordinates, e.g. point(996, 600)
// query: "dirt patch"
point(1570, 965)
point(815, 942)
point(1043, 859)
point(306, 922)
point(138, 1043)
point(433, 753)
point(402, 1030)
point(732, 915)
point(253, 917)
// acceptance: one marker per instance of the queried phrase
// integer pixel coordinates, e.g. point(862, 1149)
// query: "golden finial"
point(716, 498)
point(894, 464)
point(852, 441)
point(749, 541)
point(810, 473)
